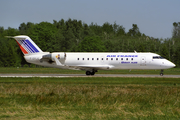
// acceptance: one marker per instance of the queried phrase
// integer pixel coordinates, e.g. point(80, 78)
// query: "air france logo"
point(58, 56)
point(122, 55)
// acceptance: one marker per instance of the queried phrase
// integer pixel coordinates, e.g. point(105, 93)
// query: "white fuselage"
point(97, 61)
point(90, 62)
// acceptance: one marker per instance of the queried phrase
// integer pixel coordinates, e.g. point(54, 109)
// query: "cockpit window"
point(157, 57)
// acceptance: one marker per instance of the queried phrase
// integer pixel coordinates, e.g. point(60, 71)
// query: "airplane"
point(90, 62)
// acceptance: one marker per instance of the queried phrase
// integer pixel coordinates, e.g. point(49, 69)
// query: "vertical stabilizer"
point(26, 45)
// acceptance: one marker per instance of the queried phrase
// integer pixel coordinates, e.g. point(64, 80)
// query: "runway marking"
point(34, 76)
point(82, 75)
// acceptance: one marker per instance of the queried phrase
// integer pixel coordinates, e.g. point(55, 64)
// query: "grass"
point(173, 71)
point(89, 98)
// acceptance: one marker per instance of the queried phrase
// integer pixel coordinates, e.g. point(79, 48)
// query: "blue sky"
point(153, 17)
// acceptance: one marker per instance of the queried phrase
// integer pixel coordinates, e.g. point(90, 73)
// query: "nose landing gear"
point(161, 73)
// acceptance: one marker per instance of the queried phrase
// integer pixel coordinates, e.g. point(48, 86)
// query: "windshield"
point(157, 57)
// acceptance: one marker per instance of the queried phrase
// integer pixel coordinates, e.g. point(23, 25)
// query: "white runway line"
point(83, 75)
point(34, 76)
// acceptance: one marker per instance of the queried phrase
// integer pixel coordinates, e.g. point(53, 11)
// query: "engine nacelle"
point(60, 56)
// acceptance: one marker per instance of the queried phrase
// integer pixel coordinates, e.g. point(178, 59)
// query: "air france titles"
point(123, 62)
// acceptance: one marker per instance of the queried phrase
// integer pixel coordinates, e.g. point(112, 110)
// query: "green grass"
point(173, 71)
point(89, 98)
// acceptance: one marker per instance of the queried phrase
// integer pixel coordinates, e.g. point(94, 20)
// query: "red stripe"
point(22, 49)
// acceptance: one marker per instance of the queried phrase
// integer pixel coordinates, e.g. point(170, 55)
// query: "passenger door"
point(143, 61)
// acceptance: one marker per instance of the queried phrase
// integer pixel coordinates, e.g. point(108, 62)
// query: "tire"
point(88, 73)
point(92, 73)
point(161, 74)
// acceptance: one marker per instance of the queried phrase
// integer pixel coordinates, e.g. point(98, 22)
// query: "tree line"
point(76, 36)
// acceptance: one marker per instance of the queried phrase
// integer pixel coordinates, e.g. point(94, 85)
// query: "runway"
point(83, 75)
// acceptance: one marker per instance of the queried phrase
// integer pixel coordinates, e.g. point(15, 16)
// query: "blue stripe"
point(27, 46)
point(24, 45)
point(32, 46)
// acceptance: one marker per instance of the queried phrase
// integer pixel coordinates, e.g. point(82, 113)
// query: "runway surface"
point(83, 75)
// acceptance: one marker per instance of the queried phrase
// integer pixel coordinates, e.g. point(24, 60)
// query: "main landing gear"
point(91, 72)
point(161, 73)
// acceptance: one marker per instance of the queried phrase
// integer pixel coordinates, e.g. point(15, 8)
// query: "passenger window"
point(131, 58)
point(97, 58)
point(111, 58)
point(116, 58)
point(102, 59)
point(92, 58)
point(87, 58)
point(77, 58)
point(121, 58)
point(126, 58)
point(106, 58)
point(83, 59)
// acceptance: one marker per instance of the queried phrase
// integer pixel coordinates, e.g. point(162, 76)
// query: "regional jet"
point(91, 62)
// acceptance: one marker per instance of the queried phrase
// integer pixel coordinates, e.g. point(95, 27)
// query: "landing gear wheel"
point(92, 73)
point(88, 73)
point(161, 74)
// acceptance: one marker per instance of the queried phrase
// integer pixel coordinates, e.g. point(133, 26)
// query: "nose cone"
point(171, 65)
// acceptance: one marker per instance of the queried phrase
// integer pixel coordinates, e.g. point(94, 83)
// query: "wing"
point(85, 67)
point(90, 67)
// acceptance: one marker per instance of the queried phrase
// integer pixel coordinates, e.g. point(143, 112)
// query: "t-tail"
point(27, 46)
point(33, 54)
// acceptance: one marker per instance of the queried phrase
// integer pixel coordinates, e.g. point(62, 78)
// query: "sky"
point(154, 18)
